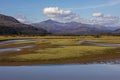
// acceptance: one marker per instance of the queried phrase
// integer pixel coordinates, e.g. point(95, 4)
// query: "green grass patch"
point(62, 53)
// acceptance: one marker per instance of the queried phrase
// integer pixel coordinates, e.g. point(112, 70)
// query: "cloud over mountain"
point(58, 14)
point(61, 15)
point(107, 20)
point(21, 18)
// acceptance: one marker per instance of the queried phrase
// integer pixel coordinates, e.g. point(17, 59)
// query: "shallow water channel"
point(3, 50)
point(10, 41)
point(90, 43)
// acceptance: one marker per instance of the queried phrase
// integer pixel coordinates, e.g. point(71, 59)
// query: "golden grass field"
point(59, 50)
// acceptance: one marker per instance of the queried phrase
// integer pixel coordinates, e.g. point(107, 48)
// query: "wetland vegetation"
point(58, 50)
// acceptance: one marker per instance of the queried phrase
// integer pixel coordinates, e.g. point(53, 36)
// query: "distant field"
point(59, 50)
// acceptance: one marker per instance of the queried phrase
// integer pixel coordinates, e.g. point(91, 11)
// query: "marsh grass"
point(60, 49)
point(62, 53)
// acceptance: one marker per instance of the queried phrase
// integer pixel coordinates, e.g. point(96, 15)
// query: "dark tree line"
point(21, 31)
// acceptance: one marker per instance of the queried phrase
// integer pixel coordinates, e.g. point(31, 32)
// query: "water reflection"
point(61, 72)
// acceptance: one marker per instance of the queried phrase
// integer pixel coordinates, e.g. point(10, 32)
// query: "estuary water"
point(61, 72)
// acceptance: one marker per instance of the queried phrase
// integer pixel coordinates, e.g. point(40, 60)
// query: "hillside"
point(117, 32)
point(11, 26)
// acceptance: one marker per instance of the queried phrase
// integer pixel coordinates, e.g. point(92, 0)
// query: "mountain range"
point(73, 28)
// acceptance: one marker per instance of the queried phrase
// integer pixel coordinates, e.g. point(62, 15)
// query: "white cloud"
point(106, 20)
point(58, 14)
point(97, 14)
point(56, 10)
point(21, 18)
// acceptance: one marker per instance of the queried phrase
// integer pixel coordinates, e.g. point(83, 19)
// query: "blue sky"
point(33, 9)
